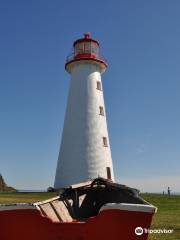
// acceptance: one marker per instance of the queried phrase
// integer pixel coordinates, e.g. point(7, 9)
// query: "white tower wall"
point(82, 154)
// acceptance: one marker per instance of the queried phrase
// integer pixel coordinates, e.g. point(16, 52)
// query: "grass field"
point(24, 197)
point(168, 215)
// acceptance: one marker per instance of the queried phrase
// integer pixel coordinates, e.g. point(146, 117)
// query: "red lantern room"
point(86, 49)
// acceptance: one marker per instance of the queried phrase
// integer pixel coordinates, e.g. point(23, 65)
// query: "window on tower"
point(105, 144)
point(99, 87)
point(101, 110)
point(108, 170)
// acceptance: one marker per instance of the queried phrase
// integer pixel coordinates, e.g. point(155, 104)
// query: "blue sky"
point(140, 39)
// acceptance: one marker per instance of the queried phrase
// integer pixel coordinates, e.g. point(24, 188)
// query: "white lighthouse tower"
point(85, 151)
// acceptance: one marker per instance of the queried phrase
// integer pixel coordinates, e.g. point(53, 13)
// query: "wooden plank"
point(62, 211)
point(49, 211)
point(78, 185)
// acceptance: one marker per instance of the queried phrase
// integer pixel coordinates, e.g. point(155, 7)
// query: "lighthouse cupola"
point(86, 49)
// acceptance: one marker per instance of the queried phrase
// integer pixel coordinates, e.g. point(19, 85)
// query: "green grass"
point(168, 215)
point(17, 197)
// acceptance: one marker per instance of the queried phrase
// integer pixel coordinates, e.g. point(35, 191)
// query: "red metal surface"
point(87, 38)
point(28, 224)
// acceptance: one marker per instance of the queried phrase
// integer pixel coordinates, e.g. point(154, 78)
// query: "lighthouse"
point(85, 151)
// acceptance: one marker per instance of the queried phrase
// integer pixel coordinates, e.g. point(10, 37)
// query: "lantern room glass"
point(86, 48)
point(94, 48)
point(79, 48)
